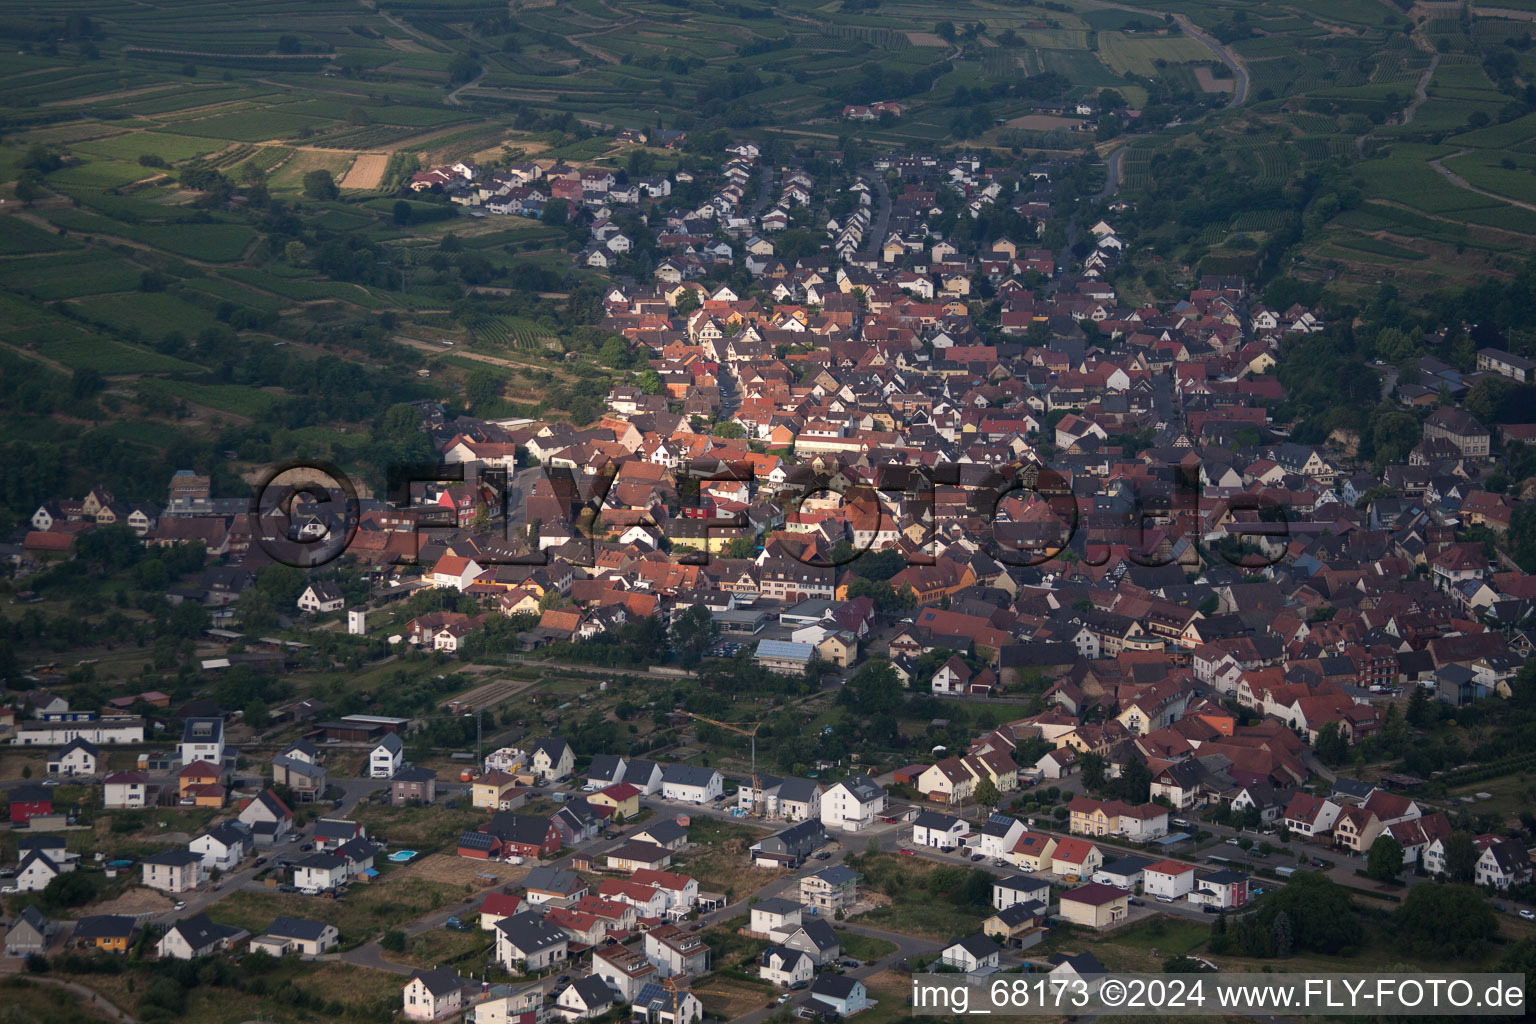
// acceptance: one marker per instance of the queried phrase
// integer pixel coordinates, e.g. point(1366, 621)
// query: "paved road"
point(877, 227)
point(1238, 68)
point(1112, 172)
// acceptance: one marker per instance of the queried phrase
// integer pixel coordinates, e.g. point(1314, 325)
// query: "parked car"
point(1233, 842)
point(781, 1000)
point(978, 857)
point(799, 985)
point(1138, 903)
point(1165, 899)
point(454, 924)
point(1528, 915)
point(823, 855)
point(1499, 907)
point(259, 861)
point(946, 849)
point(1209, 909)
point(181, 905)
point(908, 851)
point(1318, 862)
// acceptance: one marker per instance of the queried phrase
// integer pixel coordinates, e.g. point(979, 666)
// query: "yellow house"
point(492, 790)
point(1096, 905)
point(110, 933)
point(1094, 817)
point(1033, 851)
point(840, 649)
point(621, 796)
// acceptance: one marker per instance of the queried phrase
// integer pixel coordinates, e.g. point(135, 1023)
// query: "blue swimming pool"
point(401, 856)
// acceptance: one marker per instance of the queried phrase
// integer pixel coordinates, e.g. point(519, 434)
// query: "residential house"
point(1096, 906)
point(306, 938)
point(830, 889)
point(852, 804)
point(838, 993)
point(584, 999)
point(77, 757)
point(675, 951)
point(785, 967)
point(974, 954)
point(691, 784)
point(434, 994)
point(387, 757)
point(174, 871)
point(527, 941)
point(196, 936)
point(931, 828)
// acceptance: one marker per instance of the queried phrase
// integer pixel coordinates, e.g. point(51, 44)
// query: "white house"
point(36, 871)
point(584, 999)
point(527, 939)
point(774, 915)
point(174, 871)
point(386, 757)
point(852, 804)
point(1019, 889)
point(77, 757)
point(196, 936)
point(691, 784)
point(785, 967)
point(307, 938)
point(320, 872)
point(125, 790)
point(319, 598)
point(202, 739)
point(1168, 878)
point(932, 828)
point(222, 848)
point(553, 760)
point(431, 995)
point(975, 954)
point(999, 836)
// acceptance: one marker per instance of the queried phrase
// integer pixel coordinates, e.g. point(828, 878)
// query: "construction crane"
point(751, 734)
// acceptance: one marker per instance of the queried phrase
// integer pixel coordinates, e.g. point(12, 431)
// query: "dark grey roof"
point(978, 945)
point(440, 981)
point(174, 859)
point(593, 990)
point(688, 775)
point(821, 934)
point(788, 957)
point(834, 986)
point(550, 879)
point(1082, 963)
point(664, 831)
point(199, 932)
point(605, 767)
point(530, 933)
point(297, 928)
point(1126, 866)
point(1020, 883)
point(798, 790)
point(1018, 913)
point(776, 905)
point(415, 773)
point(104, 926)
point(390, 742)
point(933, 819)
point(837, 875)
point(335, 828)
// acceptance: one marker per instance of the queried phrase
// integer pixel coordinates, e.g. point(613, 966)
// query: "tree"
point(481, 388)
point(1461, 855)
point(945, 31)
point(403, 212)
point(1331, 746)
point(1454, 921)
point(393, 941)
point(694, 632)
point(1321, 914)
point(1385, 860)
point(877, 687)
point(1093, 770)
point(1420, 711)
point(986, 793)
point(257, 714)
point(319, 185)
point(1284, 938)
point(729, 429)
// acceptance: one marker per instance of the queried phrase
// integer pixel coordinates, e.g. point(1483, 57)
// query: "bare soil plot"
point(366, 171)
point(135, 901)
point(1210, 83)
point(443, 867)
point(924, 39)
point(729, 998)
point(1043, 123)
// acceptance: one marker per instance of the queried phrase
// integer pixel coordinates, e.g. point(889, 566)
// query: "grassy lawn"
point(364, 911)
point(728, 947)
point(927, 900)
point(865, 947)
point(418, 828)
point(326, 990)
point(440, 946)
point(44, 1004)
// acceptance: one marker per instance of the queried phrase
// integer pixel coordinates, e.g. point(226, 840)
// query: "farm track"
point(1462, 183)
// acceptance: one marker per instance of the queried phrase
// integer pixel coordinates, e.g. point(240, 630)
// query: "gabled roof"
point(979, 946)
point(297, 928)
point(440, 981)
point(834, 986)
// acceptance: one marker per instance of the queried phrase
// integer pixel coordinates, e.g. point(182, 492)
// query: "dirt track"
point(366, 171)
